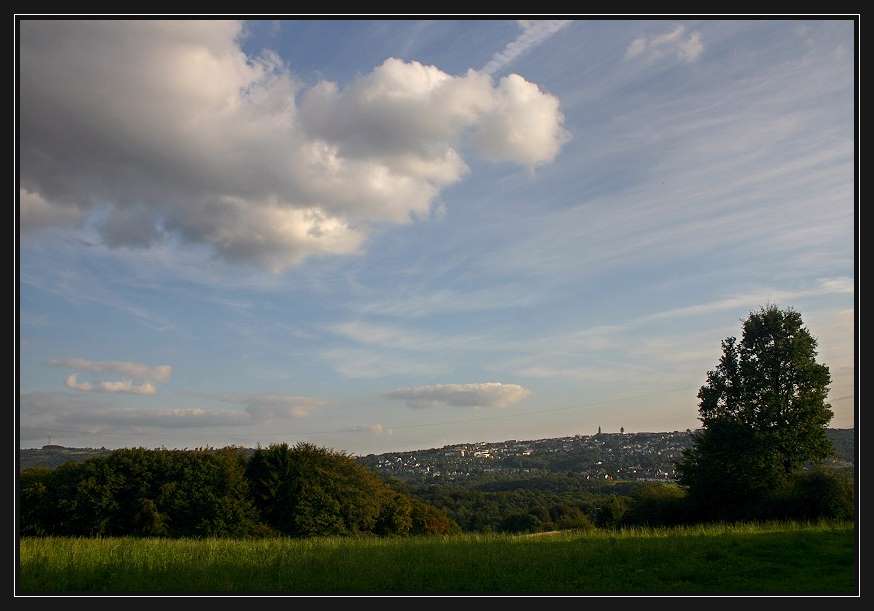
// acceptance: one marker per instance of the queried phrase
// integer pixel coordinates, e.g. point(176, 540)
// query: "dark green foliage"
point(529, 508)
point(298, 491)
point(307, 490)
point(521, 523)
point(149, 521)
point(764, 415)
point(142, 492)
point(569, 517)
point(395, 515)
point(657, 505)
point(612, 510)
point(729, 472)
point(430, 520)
point(34, 486)
point(814, 495)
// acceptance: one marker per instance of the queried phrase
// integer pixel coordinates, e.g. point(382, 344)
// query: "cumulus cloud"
point(527, 126)
point(534, 33)
point(147, 374)
point(485, 394)
point(171, 129)
point(121, 386)
point(675, 42)
point(137, 371)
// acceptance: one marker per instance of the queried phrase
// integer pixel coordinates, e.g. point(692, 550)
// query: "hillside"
point(608, 456)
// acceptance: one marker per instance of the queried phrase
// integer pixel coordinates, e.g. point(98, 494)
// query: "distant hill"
point(639, 456)
point(52, 456)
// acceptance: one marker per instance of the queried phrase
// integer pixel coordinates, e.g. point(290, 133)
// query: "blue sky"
point(383, 235)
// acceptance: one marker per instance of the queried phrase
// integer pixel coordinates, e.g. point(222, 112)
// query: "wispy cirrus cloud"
point(825, 286)
point(374, 429)
point(534, 33)
point(484, 394)
point(365, 363)
point(263, 407)
point(684, 47)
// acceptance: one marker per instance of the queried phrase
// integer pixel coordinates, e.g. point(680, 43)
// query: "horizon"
point(400, 234)
point(397, 451)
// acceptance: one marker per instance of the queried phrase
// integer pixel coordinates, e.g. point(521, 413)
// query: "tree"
point(763, 410)
point(306, 490)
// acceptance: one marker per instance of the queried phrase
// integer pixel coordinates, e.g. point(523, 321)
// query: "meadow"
point(779, 557)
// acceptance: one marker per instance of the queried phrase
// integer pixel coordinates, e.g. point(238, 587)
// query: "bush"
point(307, 490)
point(610, 514)
point(34, 485)
point(657, 505)
point(299, 491)
point(141, 492)
point(521, 523)
point(815, 495)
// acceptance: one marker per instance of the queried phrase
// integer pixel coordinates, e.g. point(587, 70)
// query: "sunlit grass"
point(771, 557)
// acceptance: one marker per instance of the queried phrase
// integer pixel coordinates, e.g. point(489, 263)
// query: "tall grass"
point(773, 557)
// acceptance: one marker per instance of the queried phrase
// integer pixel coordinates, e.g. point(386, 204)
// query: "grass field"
point(779, 557)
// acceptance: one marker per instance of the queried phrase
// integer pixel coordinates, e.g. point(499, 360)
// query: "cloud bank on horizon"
point(170, 131)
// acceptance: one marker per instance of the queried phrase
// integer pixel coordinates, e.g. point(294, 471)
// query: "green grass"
point(777, 557)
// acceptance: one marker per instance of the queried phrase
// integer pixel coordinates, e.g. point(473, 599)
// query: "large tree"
point(763, 411)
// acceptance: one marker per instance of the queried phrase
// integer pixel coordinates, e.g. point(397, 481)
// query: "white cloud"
point(172, 130)
point(526, 127)
point(534, 33)
point(72, 382)
point(485, 394)
point(120, 386)
point(674, 42)
point(137, 371)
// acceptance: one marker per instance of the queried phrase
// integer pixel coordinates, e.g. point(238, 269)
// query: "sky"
point(390, 235)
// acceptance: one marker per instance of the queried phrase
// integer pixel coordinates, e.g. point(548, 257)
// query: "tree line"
point(302, 490)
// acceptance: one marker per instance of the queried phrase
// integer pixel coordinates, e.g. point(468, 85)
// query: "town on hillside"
point(599, 457)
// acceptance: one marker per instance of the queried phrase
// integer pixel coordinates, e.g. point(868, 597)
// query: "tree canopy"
point(763, 411)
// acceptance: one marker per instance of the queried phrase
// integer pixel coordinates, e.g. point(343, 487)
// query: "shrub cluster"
point(816, 494)
point(298, 491)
